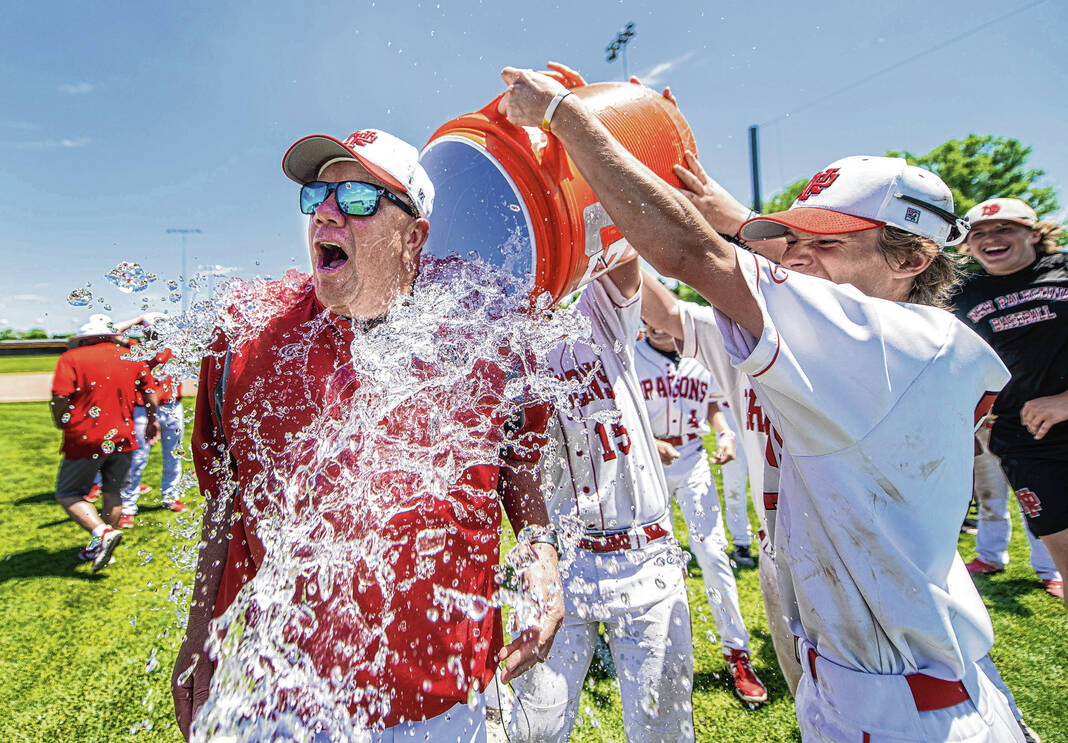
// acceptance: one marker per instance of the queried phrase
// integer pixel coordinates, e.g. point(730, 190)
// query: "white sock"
point(98, 531)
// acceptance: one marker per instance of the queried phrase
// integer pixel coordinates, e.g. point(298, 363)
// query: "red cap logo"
point(819, 182)
point(358, 139)
point(991, 209)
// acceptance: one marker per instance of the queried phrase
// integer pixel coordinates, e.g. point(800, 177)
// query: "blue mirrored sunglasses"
point(355, 198)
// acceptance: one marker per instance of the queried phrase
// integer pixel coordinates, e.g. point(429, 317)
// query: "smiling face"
point(851, 258)
point(1002, 246)
point(361, 264)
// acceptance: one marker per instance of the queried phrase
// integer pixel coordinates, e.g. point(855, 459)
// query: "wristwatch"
point(539, 535)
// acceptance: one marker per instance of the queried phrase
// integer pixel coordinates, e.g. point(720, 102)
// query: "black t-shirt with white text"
point(1023, 316)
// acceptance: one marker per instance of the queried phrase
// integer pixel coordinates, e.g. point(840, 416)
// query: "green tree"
point(981, 167)
point(34, 334)
point(780, 202)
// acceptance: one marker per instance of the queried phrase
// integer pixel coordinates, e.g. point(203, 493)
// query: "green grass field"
point(23, 364)
point(87, 658)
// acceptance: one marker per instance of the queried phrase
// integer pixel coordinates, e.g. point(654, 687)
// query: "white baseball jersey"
point(606, 470)
point(676, 394)
point(876, 403)
point(703, 341)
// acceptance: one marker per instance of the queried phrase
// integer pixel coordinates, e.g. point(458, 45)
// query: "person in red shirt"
point(93, 394)
point(272, 393)
point(171, 417)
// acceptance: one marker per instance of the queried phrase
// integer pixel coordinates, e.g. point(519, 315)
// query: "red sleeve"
point(525, 434)
point(64, 381)
point(209, 442)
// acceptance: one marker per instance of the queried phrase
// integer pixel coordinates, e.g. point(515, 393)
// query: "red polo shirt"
point(102, 388)
point(380, 636)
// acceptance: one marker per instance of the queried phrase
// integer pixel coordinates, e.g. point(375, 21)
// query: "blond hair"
point(1048, 231)
point(934, 285)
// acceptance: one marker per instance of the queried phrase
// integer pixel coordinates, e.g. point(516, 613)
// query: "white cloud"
point(77, 88)
point(655, 75)
point(28, 298)
point(20, 125)
point(50, 144)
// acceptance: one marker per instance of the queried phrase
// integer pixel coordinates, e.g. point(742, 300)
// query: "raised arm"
point(657, 220)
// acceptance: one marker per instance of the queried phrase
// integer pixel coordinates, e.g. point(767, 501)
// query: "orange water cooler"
point(511, 196)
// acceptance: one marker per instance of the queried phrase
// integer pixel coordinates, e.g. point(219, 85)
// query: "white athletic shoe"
point(109, 540)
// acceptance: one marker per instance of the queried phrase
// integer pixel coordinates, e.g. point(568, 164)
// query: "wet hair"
point(936, 283)
point(1048, 233)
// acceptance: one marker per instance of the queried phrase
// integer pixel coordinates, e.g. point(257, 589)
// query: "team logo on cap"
point(359, 139)
point(912, 215)
point(819, 182)
point(991, 209)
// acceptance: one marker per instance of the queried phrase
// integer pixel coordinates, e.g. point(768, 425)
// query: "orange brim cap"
point(804, 219)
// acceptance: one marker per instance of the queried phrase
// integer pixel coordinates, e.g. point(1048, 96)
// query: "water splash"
point(324, 529)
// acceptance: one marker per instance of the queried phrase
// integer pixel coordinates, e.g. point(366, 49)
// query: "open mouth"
point(331, 257)
point(993, 252)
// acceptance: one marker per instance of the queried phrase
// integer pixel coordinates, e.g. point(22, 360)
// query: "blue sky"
point(120, 120)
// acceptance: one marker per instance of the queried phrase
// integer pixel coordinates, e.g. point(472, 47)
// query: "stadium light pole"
point(618, 47)
point(183, 232)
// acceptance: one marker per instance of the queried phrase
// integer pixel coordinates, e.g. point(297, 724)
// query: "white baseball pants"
point(735, 503)
point(992, 491)
point(640, 597)
point(689, 479)
point(842, 705)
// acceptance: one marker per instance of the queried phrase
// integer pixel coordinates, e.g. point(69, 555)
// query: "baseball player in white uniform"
point(874, 397)
point(663, 309)
point(681, 400)
point(605, 482)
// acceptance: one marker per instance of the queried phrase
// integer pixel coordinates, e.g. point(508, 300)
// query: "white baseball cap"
point(1012, 210)
point(97, 325)
point(862, 192)
point(393, 160)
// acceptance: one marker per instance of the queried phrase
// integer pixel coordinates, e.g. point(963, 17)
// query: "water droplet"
point(80, 297)
point(129, 277)
point(107, 447)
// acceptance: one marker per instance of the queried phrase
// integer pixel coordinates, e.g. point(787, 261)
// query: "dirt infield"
point(37, 387)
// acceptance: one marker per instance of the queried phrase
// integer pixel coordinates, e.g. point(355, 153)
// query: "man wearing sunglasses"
point(421, 670)
point(873, 399)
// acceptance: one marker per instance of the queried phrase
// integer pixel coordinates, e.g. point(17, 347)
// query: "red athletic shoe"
point(746, 684)
point(1054, 588)
point(126, 521)
point(176, 506)
point(982, 567)
point(93, 494)
point(142, 489)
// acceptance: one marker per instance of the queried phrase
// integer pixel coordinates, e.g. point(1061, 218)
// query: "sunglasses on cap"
point(355, 198)
point(958, 226)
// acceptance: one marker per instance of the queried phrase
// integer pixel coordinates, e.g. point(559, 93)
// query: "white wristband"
point(547, 117)
point(729, 435)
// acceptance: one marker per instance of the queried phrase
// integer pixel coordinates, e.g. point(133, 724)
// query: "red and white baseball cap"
point(1012, 210)
point(862, 192)
point(393, 160)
